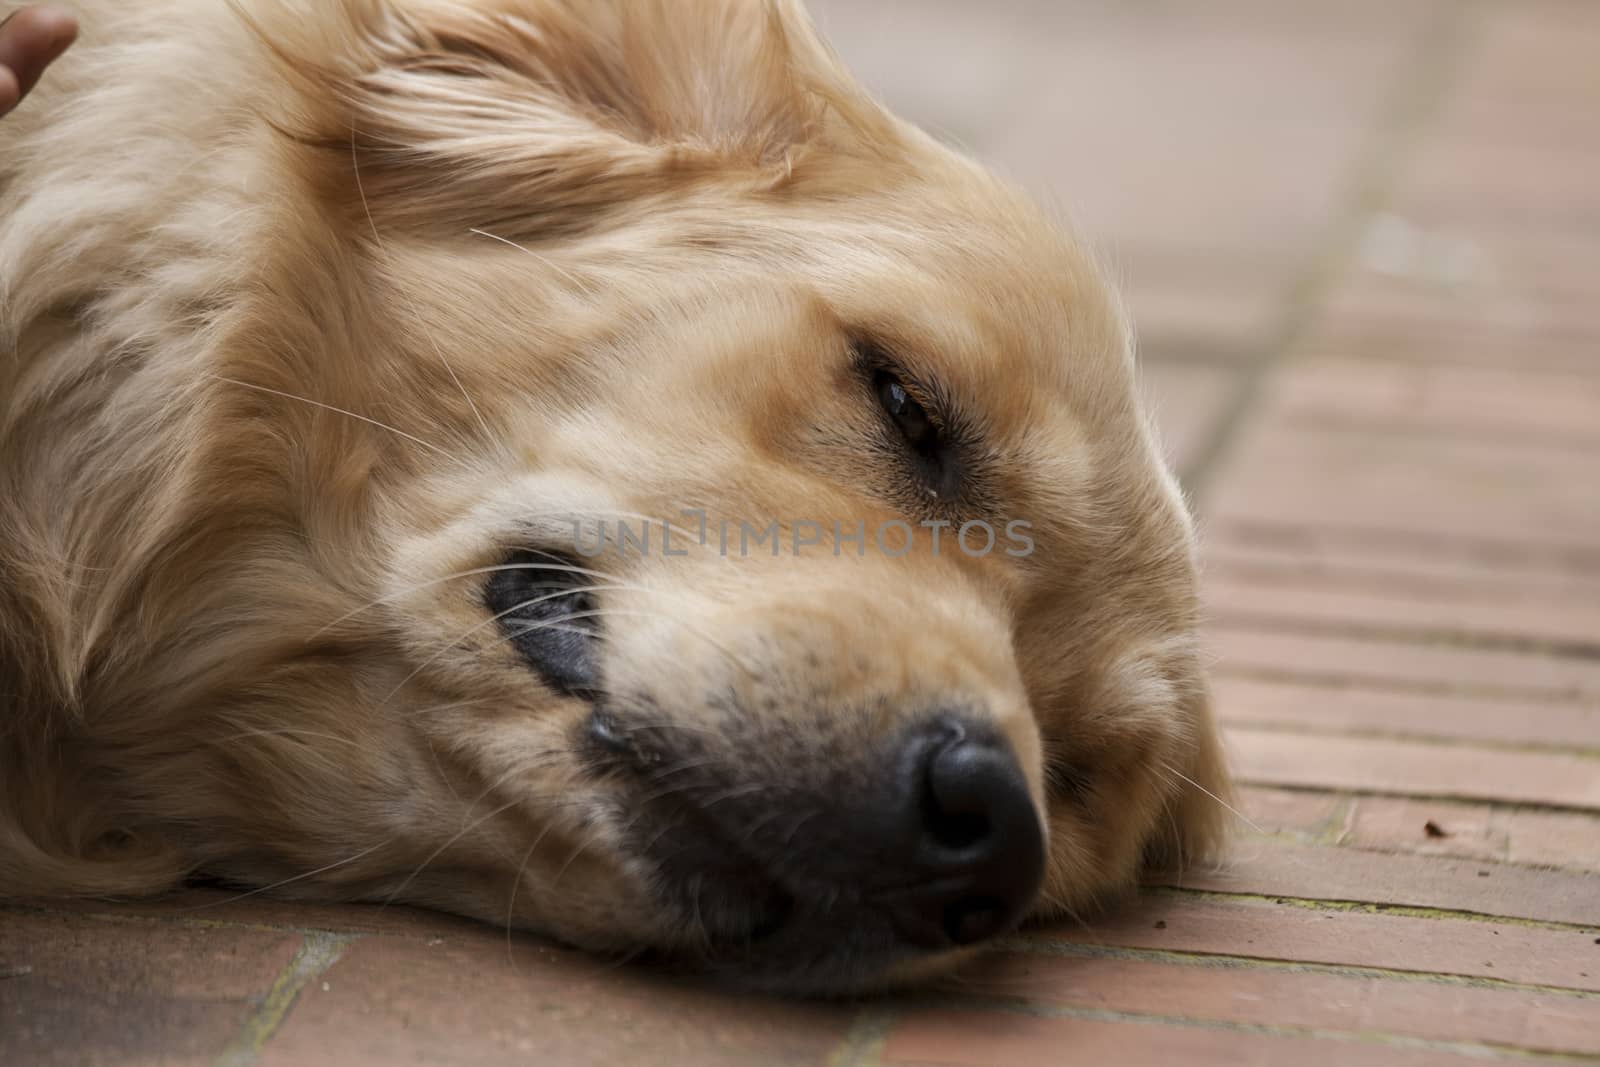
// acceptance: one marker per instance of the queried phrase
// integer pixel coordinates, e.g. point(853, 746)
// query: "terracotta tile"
point(468, 998)
point(1528, 64)
point(1556, 265)
point(240, 908)
point(1512, 322)
point(1444, 275)
point(98, 992)
point(1420, 667)
point(1507, 180)
point(1337, 707)
point(1410, 560)
point(1521, 324)
point(1266, 930)
point(1442, 340)
point(1255, 594)
point(1305, 813)
point(972, 1038)
point(1487, 401)
point(1284, 553)
point(1203, 989)
point(1555, 838)
point(1426, 483)
point(1454, 525)
point(1433, 828)
point(1417, 768)
point(1484, 887)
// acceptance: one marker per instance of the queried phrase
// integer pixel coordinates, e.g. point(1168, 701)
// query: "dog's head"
point(764, 557)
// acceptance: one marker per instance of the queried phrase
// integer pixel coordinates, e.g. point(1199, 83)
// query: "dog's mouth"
point(925, 845)
point(717, 881)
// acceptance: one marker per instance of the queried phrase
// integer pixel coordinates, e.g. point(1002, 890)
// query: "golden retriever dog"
point(581, 464)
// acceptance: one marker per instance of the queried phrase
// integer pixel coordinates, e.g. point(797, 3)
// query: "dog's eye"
point(543, 604)
point(909, 417)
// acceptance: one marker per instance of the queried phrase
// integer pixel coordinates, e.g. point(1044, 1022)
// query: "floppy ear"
point(536, 114)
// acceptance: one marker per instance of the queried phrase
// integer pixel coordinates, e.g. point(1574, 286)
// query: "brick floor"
point(1363, 244)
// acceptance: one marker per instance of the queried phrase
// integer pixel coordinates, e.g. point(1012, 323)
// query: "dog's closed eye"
point(545, 606)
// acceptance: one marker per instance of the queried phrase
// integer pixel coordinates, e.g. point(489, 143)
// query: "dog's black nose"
point(979, 849)
point(926, 840)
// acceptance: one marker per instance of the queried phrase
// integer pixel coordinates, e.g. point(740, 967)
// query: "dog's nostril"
point(959, 794)
point(979, 845)
point(959, 830)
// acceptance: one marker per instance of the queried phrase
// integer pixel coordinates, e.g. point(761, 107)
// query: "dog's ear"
point(533, 114)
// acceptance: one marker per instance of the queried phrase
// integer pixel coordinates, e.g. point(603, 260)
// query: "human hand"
point(30, 40)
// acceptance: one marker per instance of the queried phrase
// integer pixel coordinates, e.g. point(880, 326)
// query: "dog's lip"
point(752, 884)
point(899, 890)
point(773, 917)
point(770, 908)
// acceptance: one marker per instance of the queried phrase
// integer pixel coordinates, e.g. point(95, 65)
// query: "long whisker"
point(355, 164)
point(290, 731)
point(458, 575)
point(516, 883)
point(734, 792)
point(342, 411)
point(308, 874)
point(457, 836)
point(522, 767)
point(644, 613)
point(548, 800)
point(516, 887)
point(583, 846)
point(545, 260)
point(559, 566)
point(553, 627)
point(1226, 806)
point(433, 756)
point(663, 725)
point(491, 620)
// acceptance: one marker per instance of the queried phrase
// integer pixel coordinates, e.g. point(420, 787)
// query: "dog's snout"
point(925, 841)
point(979, 848)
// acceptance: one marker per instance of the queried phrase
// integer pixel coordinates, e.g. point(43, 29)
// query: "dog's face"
point(767, 560)
point(705, 645)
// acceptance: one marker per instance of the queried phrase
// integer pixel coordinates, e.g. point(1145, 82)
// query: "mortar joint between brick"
point(863, 1045)
point(1367, 907)
point(317, 953)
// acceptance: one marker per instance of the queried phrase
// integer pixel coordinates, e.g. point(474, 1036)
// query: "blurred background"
point(1247, 165)
point(1361, 242)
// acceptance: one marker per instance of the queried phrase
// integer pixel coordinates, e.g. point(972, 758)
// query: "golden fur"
point(309, 312)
